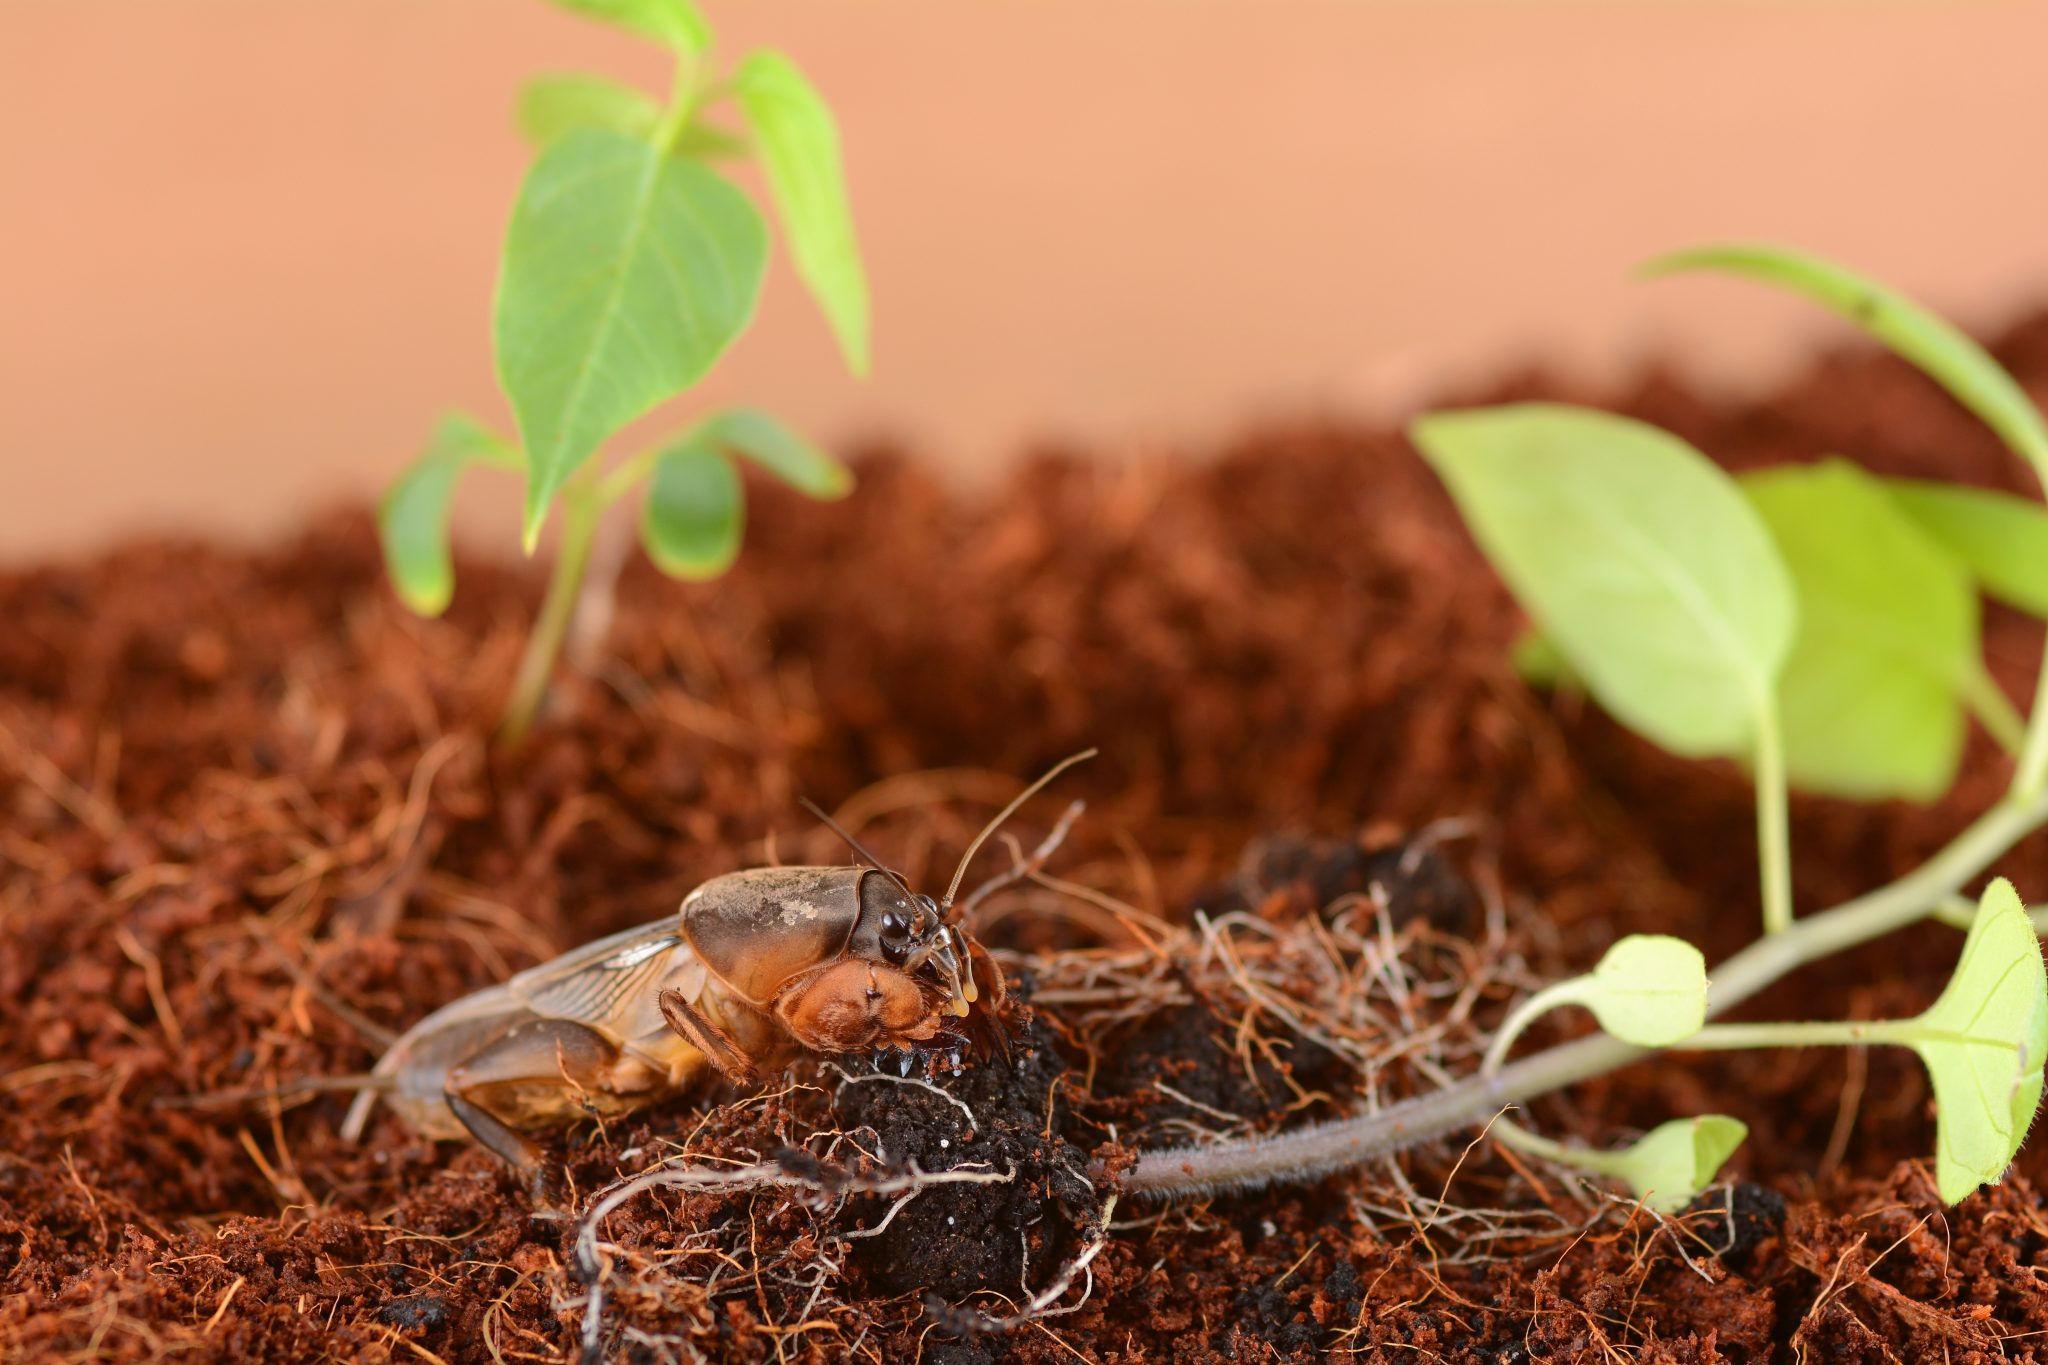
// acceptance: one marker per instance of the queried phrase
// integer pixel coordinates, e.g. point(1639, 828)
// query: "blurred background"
point(249, 244)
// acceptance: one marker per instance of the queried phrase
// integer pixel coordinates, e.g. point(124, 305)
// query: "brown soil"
point(247, 796)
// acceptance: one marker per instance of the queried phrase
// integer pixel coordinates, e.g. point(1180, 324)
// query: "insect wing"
point(608, 984)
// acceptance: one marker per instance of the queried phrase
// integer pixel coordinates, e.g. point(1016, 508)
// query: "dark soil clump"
point(250, 814)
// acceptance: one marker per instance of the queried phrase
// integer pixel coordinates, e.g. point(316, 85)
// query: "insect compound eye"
point(896, 935)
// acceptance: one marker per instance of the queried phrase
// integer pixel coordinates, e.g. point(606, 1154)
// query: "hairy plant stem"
point(581, 510)
point(1309, 1153)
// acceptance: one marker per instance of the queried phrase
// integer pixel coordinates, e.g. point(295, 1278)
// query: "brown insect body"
point(755, 966)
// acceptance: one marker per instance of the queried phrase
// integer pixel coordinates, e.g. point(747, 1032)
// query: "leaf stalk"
point(1773, 838)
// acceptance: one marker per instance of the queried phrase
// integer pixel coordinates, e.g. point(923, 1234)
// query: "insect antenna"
point(1005, 813)
point(280, 1090)
point(858, 847)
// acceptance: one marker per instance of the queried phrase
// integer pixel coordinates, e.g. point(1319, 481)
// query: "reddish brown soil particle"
point(229, 775)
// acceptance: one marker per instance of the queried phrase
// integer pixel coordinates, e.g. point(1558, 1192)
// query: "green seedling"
point(1647, 570)
point(1815, 624)
point(630, 266)
point(1649, 989)
point(1983, 1043)
point(1667, 1167)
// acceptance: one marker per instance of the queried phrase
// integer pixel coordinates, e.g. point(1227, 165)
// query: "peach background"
point(248, 244)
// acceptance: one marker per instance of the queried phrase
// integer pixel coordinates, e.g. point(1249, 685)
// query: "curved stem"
point(1585, 1158)
point(1309, 1153)
point(581, 512)
point(1528, 1012)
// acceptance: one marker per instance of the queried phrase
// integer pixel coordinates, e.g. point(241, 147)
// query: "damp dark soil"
point(249, 813)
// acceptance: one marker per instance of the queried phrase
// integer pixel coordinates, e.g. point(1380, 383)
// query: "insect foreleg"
point(716, 1045)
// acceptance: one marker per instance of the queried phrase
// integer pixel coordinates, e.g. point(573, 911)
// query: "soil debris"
point(250, 819)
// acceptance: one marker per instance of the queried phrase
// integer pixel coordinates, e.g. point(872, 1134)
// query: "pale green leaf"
point(2002, 538)
point(1673, 1162)
point(1635, 555)
point(1887, 643)
point(1983, 1043)
point(412, 519)
point(798, 145)
point(1932, 345)
point(626, 275)
point(1649, 990)
point(694, 512)
point(675, 24)
point(555, 106)
point(776, 448)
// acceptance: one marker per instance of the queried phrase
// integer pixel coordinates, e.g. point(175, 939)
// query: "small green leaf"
point(1932, 345)
point(1539, 663)
point(1887, 643)
point(694, 512)
point(1983, 1043)
point(412, 519)
point(1649, 990)
point(2002, 538)
point(770, 444)
point(554, 106)
point(1673, 1162)
point(1635, 555)
point(798, 144)
point(675, 24)
point(626, 275)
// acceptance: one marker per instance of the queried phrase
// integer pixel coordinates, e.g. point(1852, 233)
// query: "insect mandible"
point(755, 967)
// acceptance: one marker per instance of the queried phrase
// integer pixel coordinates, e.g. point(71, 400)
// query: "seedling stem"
point(1774, 846)
point(582, 507)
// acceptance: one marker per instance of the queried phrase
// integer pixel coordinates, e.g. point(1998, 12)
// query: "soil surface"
point(250, 816)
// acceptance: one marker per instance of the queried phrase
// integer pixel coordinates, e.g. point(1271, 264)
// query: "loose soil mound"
point(250, 809)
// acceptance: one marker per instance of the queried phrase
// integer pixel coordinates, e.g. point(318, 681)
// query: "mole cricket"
point(753, 969)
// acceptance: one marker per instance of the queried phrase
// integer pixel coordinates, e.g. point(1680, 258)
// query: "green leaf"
point(1932, 345)
point(554, 106)
point(1871, 696)
point(1983, 1043)
point(626, 275)
point(412, 519)
point(2002, 538)
point(1673, 1162)
point(782, 452)
point(675, 24)
point(695, 509)
point(1649, 990)
point(1635, 555)
point(798, 144)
